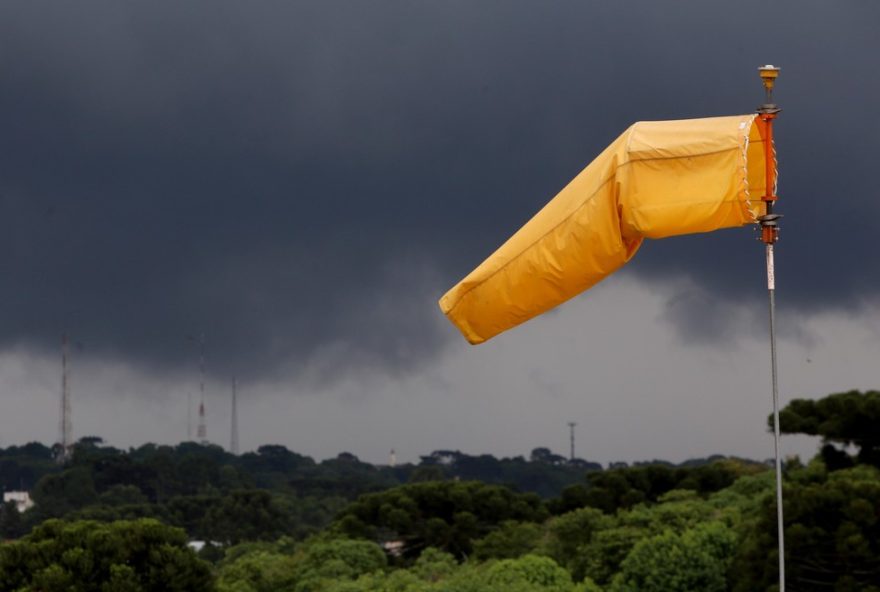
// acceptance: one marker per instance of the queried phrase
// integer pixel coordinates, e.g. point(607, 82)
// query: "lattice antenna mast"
point(65, 427)
point(233, 435)
point(189, 408)
point(202, 433)
point(571, 425)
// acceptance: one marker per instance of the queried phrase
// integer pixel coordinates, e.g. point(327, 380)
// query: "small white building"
point(199, 545)
point(394, 548)
point(22, 500)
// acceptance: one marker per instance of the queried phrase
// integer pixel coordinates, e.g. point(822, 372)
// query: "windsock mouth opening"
point(754, 168)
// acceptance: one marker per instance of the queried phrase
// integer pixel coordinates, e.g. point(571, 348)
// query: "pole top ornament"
point(769, 74)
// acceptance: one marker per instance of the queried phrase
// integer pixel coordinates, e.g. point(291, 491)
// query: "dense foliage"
point(140, 556)
point(842, 418)
point(626, 487)
point(445, 515)
point(221, 497)
point(279, 522)
point(832, 529)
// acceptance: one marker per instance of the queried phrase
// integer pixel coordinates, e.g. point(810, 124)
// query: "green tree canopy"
point(846, 418)
point(510, 540)
point(138, 556)
point(448, 515)
point(669, 562)
point(257, 571)
point(625, 487)
point(247, 515)
point(832, 533)
point(339, 557)
point(10, 521)
point(530, 572)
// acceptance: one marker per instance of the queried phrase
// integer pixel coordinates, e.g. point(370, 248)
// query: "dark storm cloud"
point(295, 178)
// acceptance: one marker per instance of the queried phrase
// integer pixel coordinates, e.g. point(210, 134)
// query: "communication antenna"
point(65, 427)
point(233, 436)
point(571, 425)
point(202, 431)
point(189, 407)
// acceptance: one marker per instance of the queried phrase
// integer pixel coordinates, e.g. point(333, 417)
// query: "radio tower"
point(64, 424)
point(202, 433)
point(189, 411)
point(571, 425)
point(233, 435)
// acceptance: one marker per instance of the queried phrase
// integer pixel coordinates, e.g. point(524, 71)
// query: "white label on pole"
point(771, 273)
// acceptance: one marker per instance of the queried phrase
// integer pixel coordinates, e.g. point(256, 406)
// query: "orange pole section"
point(769, 234)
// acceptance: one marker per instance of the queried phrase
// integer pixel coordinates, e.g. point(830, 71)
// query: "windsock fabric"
point(658, 179)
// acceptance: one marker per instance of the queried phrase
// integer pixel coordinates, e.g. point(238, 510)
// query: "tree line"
point(652, 527)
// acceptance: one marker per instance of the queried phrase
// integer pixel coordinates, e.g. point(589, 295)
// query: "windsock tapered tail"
point(658, 179)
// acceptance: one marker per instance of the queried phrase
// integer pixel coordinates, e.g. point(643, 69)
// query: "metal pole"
point(769, 235)
point(771, 290)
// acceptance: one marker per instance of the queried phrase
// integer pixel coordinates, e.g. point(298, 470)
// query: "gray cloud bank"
point(299, 180)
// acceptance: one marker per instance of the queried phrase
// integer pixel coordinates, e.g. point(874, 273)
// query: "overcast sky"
point(300, 182)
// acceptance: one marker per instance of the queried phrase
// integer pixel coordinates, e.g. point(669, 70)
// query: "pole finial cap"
point(769, 74)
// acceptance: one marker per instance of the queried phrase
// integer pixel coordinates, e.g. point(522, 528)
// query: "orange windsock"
point(658, 179)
